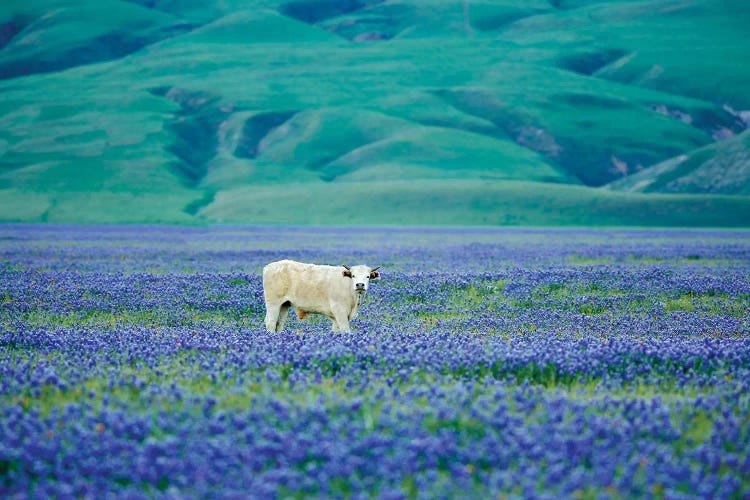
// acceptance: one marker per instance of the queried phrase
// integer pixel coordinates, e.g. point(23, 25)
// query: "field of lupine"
point(484, 363)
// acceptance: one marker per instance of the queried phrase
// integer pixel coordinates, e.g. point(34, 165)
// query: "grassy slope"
point(94, 207)
point(721, 168)
point(423, 202)
point(50, 35)
point(249, 97)
point(706, 57)
point(470, 202)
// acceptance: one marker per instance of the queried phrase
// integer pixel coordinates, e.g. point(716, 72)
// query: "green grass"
point(710, 303)
point(155, 317)
point(95, 207)
point(468, 202)
point(583, 260)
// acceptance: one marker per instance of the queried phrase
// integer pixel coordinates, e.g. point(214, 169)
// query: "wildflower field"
point(485, 363)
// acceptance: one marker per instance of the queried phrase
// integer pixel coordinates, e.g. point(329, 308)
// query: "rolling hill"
point(719, 168)
point(368, 111)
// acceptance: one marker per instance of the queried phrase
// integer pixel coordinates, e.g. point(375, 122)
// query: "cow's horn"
point(374, 269)
point(346, 267)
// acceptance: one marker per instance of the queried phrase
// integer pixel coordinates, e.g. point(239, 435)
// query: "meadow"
point(486, 363)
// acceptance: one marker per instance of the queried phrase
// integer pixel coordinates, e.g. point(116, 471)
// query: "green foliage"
point(709, 302)
point(582, 260)
point(157, 317)
point(697, 429)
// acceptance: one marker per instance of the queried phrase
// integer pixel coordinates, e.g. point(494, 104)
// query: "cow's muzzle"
point(359, 287)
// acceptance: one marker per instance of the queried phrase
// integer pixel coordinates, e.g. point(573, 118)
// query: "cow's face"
point(361, 276)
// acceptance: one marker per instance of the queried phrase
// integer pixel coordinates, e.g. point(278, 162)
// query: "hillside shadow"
point(314, 11)
point(588, 63)
point(256, 128)
point(106, 47)
point(194, 128)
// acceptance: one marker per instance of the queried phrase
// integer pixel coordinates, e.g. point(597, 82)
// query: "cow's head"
point(361, 276)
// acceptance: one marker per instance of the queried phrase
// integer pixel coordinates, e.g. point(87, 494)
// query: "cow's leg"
point(341, 320)
point(272, 316)
point(283, 313)
point(276, 315)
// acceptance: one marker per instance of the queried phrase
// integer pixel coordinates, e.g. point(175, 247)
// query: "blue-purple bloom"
point(485, 362)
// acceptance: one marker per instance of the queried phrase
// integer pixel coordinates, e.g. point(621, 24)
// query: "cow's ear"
point(347, 273)
point(374, 275)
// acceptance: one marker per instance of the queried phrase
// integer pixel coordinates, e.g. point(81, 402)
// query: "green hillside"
point(720, 168)
point(182, 111)
point(433, 202)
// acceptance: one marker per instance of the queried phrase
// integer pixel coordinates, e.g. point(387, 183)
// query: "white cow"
point(336, 291)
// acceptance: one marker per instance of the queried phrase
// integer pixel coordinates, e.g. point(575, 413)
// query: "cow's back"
point(304, 285)
point(277, 278)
